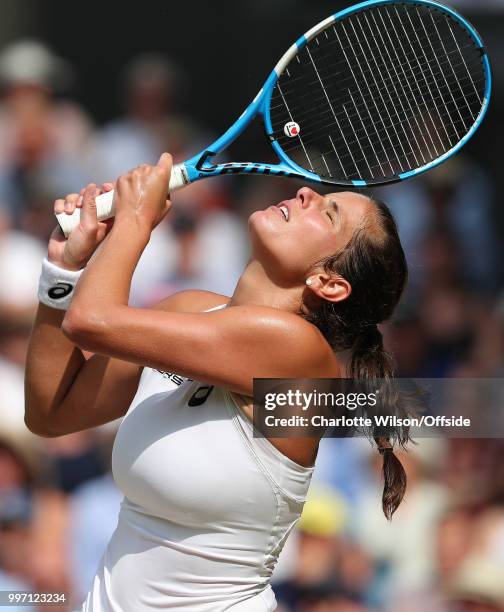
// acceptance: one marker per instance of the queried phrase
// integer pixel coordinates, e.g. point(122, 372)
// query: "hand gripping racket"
point(376, 93)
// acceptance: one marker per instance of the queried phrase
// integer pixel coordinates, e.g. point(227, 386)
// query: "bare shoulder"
point(193, 300)
point(292, 339)
point(301, 351)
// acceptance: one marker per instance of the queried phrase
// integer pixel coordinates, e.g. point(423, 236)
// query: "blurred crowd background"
point(90, 90)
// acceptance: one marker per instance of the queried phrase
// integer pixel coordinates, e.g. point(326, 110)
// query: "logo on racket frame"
point(291, 129)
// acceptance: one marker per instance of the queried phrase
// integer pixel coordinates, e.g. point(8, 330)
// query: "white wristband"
point(56, 285)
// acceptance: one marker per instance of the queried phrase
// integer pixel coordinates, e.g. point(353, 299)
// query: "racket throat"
point(203, 164)
point(210, 169)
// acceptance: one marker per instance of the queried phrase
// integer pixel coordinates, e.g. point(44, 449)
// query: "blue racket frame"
point(200, 166)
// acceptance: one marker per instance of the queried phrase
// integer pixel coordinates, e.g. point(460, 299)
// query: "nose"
point(307, 196)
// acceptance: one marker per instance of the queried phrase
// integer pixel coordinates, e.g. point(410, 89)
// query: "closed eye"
point(330, 217)
point(335, 212)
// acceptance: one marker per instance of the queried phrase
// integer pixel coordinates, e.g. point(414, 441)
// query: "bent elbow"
point(73, 325)
point(39, 429)
point(83, 328)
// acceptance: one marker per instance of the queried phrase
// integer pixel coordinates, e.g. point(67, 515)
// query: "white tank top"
point(207, 507)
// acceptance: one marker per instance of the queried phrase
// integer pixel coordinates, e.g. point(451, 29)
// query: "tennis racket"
point(376, 93)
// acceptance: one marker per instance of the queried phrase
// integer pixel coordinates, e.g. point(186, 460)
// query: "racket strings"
point(418, 88)
point(422, 142)
point(353, 101)
point(403, 99)
point(382, 128)
point(392, 120)
point(418, 82)
point(392, 114)
point(342, 62)
point(333, 78)
point(386, 79)
point(409, 54)
point(424, 38)
point(383, 91)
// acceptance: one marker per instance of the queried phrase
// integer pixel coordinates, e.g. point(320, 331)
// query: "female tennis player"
point(207, 507)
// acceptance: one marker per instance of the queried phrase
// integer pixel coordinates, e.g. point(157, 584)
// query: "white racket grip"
point(105, 202)
point(178, 177)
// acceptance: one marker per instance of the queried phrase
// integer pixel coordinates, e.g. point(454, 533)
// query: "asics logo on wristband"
point(56, 285)
point(60, 291)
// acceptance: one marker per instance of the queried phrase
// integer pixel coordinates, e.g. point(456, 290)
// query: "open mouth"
point(285, 212)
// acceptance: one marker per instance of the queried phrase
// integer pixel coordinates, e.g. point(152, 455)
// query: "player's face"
point(317, 226)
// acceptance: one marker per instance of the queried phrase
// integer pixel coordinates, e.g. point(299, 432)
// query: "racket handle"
point(105, 202)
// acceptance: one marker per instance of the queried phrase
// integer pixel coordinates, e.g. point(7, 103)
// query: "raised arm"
point(66, 391)
point(228, 347)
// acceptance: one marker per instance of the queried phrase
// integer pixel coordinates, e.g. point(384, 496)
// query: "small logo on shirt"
point(176, 378)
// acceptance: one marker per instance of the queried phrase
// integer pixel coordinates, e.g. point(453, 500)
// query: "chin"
point(261, 234)
point(258, 223)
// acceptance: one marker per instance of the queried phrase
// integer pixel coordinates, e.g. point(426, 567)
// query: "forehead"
point(353, 206)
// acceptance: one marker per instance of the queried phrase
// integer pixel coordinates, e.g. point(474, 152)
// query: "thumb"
point(165, 162)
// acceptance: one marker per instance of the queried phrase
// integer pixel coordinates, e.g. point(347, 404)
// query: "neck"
point(256, 287)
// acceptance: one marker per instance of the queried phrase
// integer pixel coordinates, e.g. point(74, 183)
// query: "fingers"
point(89, 218)
point(59, 206)
point(67, 204)
point(165, 162)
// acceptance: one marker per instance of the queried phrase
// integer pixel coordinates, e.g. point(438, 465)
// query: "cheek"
point(297, 245)
point(275, 245)
point(316, 239)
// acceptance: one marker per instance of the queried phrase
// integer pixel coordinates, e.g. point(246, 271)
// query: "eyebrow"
point(335, 206)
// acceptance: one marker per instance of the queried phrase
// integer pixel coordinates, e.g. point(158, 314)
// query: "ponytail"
point(394, 479)
point(369, 359)
point(373, 262)
point(369, 362)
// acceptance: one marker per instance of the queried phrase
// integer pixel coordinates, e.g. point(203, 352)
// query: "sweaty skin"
point(260, 334)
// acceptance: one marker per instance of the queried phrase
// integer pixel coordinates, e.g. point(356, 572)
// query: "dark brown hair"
point(374, 264)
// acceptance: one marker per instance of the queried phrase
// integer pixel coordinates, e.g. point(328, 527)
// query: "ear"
point(330, 287)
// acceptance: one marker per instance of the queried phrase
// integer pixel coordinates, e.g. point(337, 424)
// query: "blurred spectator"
point(447, 332)
point(16, 510)
point(93, 512)
point(404, 548)
point(20, 259)
point(454, 542)
point(201, 244)
point(328, 598)
point(478, 586)
point(42, 136)
point(328, 571)
point(74, 459)
point(14, 333)
point(406, 340)
point(342, 463)
point(472, 470)
point(152, 87)
point(446, 320)
point(446, 226)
